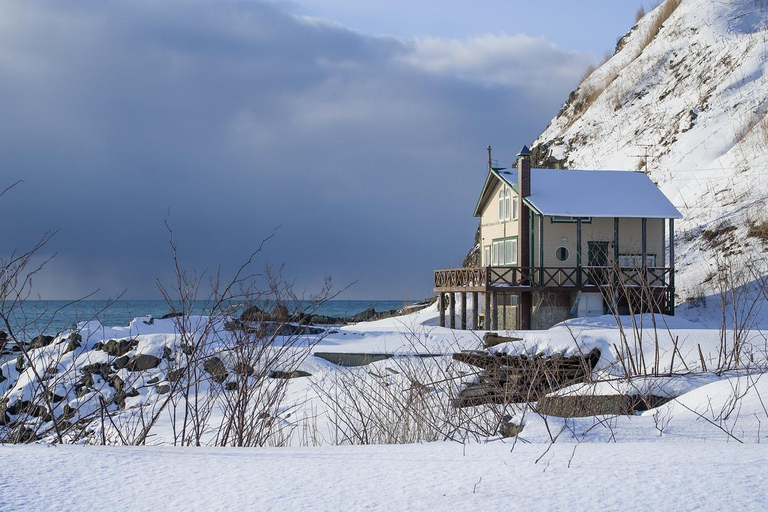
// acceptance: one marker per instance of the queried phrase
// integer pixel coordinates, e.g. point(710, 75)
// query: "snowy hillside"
point(686, 87)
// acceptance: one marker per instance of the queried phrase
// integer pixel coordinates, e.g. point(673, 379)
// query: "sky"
point(355, 132)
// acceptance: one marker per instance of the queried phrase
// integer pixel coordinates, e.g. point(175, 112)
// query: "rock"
point(167, 353)
point(20, 364)
point(507, 428)
point(288, 375)
point(243, 369)
point(2, 377)
point(148, 320)
point(40, 341)
point(253, 314)
point(121, 362)
point(231, 386)
point(95, 369)
point(153, 380)
point(3, 336)
point(75, 341)
point(187, 349)
point(23, 435)
point(579, 406)
point(120, 397)
point(142, 362)
point(174, 314)
point(117, 347)
point(163, 388)
point(215, 367)
point(365, 316)
point(176, 374)
point(280, 313)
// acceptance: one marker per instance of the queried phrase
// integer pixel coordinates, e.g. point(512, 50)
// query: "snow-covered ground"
point(704, 449)
point(435, 476)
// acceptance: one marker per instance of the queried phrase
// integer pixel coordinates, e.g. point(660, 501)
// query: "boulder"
point(142, 362)
point(231, 386)
point(163, 388)
point(215, 367)
point(243, 369)
point(174, 314)
point(253, 314)
point(117, 347)
point(176, 374)
point(20, 364)
point(579, 406)
point(121, 362)
point(277, 374)
point(40, 341)
point(73, 342)
point(365, 316)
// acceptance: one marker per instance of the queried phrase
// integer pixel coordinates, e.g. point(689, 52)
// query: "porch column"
point(487, 314)
point(463, 311)
point(524, 306)
point(578, 251)
point(452, 305)
point(475, 310)
point(441, 307)
point(672, 267)
point(541, 250)
point(646, 298)
point(495, 307)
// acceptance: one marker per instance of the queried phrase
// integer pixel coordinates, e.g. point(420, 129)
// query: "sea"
point(54, 316)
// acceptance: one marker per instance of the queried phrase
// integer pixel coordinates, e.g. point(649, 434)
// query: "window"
point(636, 260)
point(507, 205)
point(504, 252)
point(562, 254)
point(487, 255)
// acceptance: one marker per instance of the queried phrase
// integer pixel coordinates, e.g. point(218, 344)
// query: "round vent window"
point(562, 254)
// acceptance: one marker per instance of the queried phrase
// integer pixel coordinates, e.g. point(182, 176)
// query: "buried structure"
point(561, 243)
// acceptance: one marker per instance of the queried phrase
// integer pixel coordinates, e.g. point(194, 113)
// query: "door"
point(597, 256)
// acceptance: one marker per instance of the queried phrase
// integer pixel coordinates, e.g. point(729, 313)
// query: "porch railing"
point(497, 278)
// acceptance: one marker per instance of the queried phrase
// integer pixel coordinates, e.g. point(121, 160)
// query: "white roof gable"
point(595, 194)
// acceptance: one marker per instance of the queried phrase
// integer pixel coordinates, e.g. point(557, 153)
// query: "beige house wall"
point(491, 227)
point(600, 229)
point(564, 234)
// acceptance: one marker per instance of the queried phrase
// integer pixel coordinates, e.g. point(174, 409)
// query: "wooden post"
point(487, 314)
point(672, 267)
point(578, 251)
point(541, 250)
point(644, 301)
point(475, 310)
point(524, 306)
point(441, 307)
point(463, 311)
point(495, 307)
point(452, 305)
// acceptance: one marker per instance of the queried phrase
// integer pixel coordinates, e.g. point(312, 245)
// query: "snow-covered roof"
point(595, 194)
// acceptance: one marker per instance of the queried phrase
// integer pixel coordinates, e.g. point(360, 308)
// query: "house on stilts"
point(556, 244)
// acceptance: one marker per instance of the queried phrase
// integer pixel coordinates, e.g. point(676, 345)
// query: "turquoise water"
point(52, 317)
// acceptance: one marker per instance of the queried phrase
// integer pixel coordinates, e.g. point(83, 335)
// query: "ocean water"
point(52, 317)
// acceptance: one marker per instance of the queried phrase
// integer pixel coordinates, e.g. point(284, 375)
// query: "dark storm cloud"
point(238, 117)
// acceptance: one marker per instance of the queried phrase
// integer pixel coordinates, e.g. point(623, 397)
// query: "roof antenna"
point(490, 162)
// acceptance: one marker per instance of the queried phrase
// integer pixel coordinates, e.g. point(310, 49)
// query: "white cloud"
point(522, 61)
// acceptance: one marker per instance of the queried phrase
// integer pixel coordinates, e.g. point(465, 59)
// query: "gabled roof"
point(572, 193)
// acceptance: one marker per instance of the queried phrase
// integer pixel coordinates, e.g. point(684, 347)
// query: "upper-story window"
point(507, 205)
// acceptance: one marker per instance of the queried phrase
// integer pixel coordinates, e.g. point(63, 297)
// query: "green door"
point(597, 256)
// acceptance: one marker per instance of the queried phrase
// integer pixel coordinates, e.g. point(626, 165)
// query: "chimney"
point(524, 172)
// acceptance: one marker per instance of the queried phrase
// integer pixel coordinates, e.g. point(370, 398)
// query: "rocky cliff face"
point(684, 98)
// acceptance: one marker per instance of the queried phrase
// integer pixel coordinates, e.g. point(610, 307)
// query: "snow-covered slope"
point(691, 93)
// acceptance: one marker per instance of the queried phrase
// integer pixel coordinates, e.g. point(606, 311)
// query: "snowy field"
point(705, 449)
point(435, 476)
